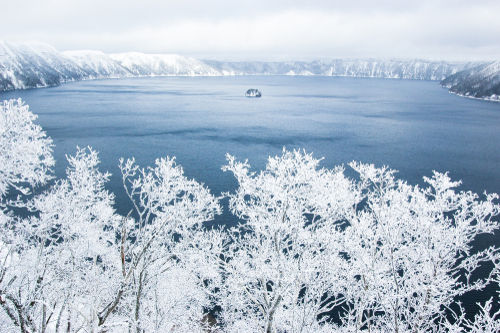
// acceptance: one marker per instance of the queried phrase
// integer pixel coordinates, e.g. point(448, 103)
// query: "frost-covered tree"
point(70, 263)
point(376, 252)
point(409, 251)
point(62, 263)
point(283, 266)
point(160, 250)
point(487, 319)
point(25, 162)
point(79, 266)
point(26, 151)
point(76, 225)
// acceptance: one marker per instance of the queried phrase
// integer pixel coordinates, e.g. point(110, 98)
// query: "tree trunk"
point(270, 319)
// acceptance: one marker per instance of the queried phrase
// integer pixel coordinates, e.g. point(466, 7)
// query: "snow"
point(97, 63)
point(162, 64)
point(29, 65)
point(482, 82)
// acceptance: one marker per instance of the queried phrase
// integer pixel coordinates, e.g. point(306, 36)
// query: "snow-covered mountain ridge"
point(481, 81)
point(35, 65)
point(32, 65)
point(375, 68)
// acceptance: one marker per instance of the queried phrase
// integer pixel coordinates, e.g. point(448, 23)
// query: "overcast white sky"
point(262, 29)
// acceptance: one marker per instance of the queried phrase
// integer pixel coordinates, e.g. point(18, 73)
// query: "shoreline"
point(488, 99)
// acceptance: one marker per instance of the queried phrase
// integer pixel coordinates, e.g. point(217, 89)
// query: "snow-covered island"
point(253, 93)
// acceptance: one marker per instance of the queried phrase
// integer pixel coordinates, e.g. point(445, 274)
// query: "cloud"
point(452, 29)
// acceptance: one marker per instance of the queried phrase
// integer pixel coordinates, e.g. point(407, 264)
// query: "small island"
point(253, 93)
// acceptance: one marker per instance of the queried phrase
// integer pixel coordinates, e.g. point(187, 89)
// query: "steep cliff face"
point(395, 69)
point(140, 64)
point(481, 81)
point(97, 64)
point(35, 65)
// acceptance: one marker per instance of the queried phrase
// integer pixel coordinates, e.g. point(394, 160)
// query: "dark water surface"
point(412, 126)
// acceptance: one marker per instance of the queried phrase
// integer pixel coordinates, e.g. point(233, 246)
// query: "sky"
point(262, 29)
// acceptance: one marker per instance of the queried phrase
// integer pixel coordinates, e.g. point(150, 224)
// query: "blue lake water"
point(412, 126)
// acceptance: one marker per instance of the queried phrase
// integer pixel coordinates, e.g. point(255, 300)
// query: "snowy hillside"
point(395, 69)
point(35, 65)
point(97, 64)
point(482, 81)
point(140, 64)
point(32, 65)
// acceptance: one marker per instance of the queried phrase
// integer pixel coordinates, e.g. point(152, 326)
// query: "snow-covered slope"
point(31, 65)
point(140, 64)
point(482, 81)
point(97, 64)
point(396, 69)
point(35, 65)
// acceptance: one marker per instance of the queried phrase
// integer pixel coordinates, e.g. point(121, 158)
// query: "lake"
point(412, 126)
